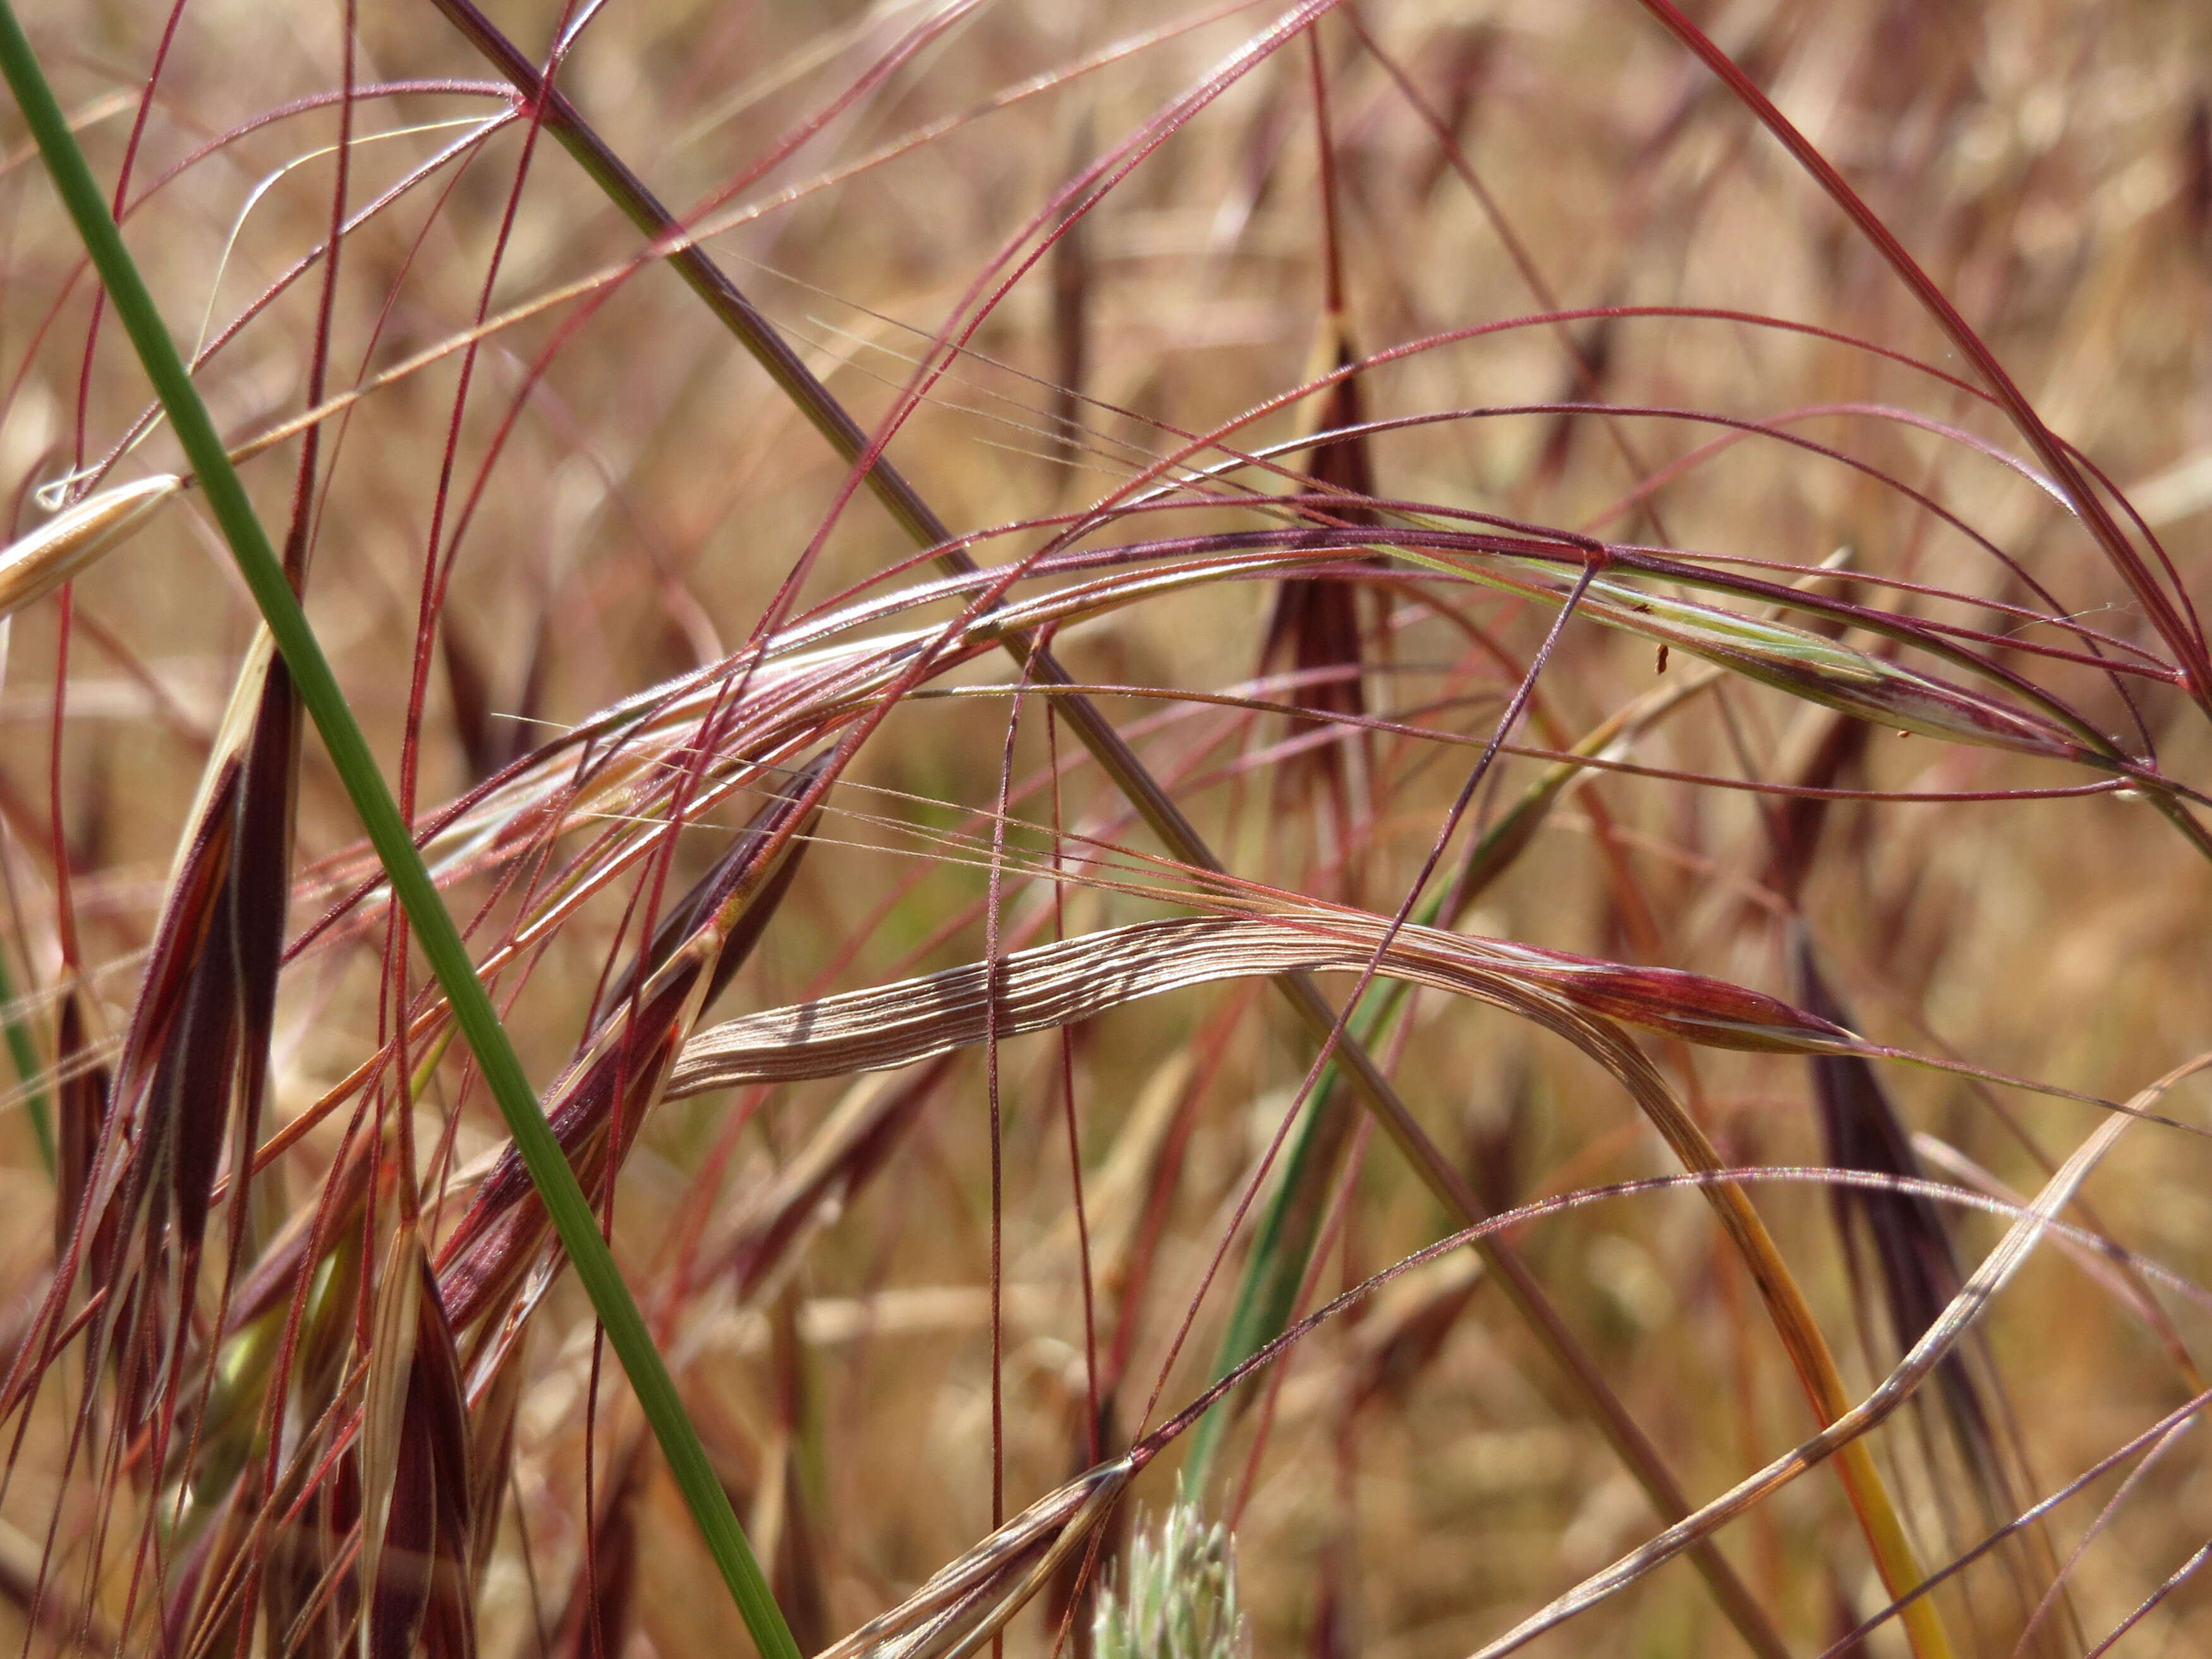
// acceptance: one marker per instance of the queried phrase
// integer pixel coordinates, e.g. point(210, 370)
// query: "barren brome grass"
point(929, 826)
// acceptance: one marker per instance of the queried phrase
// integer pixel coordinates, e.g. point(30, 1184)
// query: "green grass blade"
point(1267, 1296)
point(441, 941)
point(24, 1054)
point(1283, 1246)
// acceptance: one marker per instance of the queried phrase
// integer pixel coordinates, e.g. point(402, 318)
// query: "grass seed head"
point(1177, 1597)
point(1232, 588)
point(33, 565)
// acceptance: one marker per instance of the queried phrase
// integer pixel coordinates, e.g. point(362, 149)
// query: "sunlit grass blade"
point(969, 1600)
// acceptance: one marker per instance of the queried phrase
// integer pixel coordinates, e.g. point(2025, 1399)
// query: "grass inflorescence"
point(1132, 830)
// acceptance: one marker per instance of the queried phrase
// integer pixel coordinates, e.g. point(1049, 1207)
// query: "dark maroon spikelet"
point(1314, 630)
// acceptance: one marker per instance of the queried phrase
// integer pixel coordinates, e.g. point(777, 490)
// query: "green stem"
point(441, 941)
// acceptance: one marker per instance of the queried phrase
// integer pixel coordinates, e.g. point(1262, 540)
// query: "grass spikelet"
point(1130, 518)
point(416, 1476)
point(35, 564)
point(598, 1104)
point(141, 1156)
point(81, 1095)
point(1051, 985)
point(1917, 1267)
point(1996, 1271)
point(1316, 631)
point(969, 1600)
point(1176, 1597)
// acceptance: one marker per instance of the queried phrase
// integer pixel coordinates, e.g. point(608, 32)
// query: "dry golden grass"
point(623, 494)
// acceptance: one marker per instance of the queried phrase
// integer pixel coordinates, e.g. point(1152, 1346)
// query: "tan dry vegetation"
point(627, 490)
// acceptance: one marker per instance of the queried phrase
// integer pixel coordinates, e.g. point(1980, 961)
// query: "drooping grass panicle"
point(1596, 563)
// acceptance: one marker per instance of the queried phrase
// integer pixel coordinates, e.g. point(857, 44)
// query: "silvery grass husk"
point(1177, 1597)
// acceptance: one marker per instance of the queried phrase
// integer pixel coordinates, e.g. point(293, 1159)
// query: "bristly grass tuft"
point(1175, 1596)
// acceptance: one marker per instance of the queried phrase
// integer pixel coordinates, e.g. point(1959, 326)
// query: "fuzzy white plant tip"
point(1178, 1599)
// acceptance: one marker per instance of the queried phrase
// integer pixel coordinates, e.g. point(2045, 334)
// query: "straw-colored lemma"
point(35, 564)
